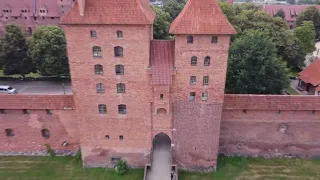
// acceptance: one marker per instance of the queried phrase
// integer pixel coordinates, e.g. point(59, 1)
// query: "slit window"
point(96, 50)
point(122, 109)
point(119, 69)
point(194, 60)
point(161, 96)
point(102, 109)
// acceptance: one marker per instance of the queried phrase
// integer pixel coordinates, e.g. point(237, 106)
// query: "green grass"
point(292, 91)
point(34, 75)
point(66, 168)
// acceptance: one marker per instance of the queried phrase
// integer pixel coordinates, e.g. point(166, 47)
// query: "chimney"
point(82, 6)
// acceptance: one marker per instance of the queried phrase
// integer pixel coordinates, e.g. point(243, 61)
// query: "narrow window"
point(244, 111)
point(96, 50)
point(193, 60)
point(107, 137)
point(102, 109)
point(26, 111)
point(204, 96)
point(100, 88)
point(207, 61)
point(193, 80)
point(161, 96)
point(189, 39)
point(119, 35)
point(205, 80)
point(121, 88)
point(93, 34)
point(192, 96)
point(49, 111)
point(3, 111)
point(214, 39)
point(45, 133)
point(119, 69)
point(121, 137)
point(98, 69)
point(9, 132)
point(122, 109)
point(118, 51)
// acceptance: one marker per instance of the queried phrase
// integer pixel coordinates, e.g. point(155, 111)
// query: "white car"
point(7, 90)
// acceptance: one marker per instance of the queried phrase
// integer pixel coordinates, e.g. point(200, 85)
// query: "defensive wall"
point(251, 125)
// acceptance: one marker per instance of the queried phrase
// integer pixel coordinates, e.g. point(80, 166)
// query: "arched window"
point(119, 35)
point(98, 69)
point(194, 60)
point(204, 96)
point(207, 61)
point(189, 39)
point(118, 51)
point(45, 133)
point(121, 88)
point(102, 109)
point(100, 88)
point(96, 50)
point(122, 109)
point(119, 69)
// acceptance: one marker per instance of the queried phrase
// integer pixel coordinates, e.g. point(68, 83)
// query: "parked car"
point(7, 90)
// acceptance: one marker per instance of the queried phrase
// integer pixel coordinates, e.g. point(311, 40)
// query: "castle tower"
point(202, 37)
point(108, 45)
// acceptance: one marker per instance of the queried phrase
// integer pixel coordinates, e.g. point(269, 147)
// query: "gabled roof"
point(161, 61)
point(201, 17)
point(111, 12)
point(311, 74)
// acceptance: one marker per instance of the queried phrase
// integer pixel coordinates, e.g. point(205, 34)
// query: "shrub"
point(121, 167)
point(78, 156)
point(50, 151)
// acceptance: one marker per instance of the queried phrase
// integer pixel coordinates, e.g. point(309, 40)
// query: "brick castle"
point(130, 90)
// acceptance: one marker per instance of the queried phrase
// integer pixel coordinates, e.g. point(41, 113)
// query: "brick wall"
point(270, 126)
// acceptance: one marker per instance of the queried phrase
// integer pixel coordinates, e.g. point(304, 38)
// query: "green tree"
point(13, 52)
point(47, 48)
point(161, 24)
point(306, 34)
point(280, 13)
point(294, 53)
point(310, 14)
point(254, 67)
point(173, 7)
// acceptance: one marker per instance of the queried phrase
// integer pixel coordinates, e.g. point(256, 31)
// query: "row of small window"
point(44, 132)
point(214, 39)
point(97, 52)
point(194, 61)
point(192, 96)
point(122, 109)
point(108, 137)
point(119, 69)
point(121, 88)
point(193, 80)
point(26, 111)
point(94, 34)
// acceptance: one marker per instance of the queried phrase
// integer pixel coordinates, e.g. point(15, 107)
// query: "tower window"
point(93, 34)
point(45, 133)
point(118, 51)
point(119, 35)
point(98, 69)
point(102, 109)
point(9, 132)
point(194, 60)
point(204, 96)
point(189, 39)
point(205, 80)
point(119, 69)
point(193, 80)
point(100, 88)
point(121, 88)
point(161, 96)
point(122, 109)
point(96, 50)
point(207, 61)
point(192, 96)
point(214, 39)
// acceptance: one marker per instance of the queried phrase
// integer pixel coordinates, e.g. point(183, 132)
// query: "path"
point(39, 87)
point(161, 164)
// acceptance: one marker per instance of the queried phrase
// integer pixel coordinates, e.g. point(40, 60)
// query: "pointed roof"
point(201, 17)
point(110, 12)
point(311, 74)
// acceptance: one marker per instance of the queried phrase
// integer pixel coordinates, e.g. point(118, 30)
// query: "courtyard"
point(67, 168)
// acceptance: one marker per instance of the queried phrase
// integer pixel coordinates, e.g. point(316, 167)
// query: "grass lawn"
point(292, 91)
point(34, 75)
point(65, 168)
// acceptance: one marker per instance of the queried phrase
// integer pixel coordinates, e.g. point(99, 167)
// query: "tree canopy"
point(310, 14)
point(254, 67)
point(306, 34)
point(47, 47)
point(13, 52)
point(162, 23)
point(280, 13)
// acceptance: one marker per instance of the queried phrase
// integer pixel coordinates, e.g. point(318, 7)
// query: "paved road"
point(39, 87)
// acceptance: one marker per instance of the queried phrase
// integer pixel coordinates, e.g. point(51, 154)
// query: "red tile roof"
point(291, 11)
point(201, 17)
point(111, 12)
point(18, 101)
point(162, 61)
point(270, 102)
point(311, 74)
